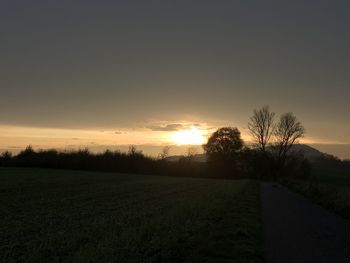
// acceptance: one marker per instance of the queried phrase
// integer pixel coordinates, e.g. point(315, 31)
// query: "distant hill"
point(308, 151)
point(200, 158)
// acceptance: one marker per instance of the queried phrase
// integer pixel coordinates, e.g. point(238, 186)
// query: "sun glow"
point(192, 136)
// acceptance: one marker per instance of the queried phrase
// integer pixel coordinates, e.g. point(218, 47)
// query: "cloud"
point(168, 127)
point(120, 132)
point(177, 126)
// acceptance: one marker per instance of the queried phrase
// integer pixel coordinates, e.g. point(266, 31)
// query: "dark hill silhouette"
point(309, 153)
point(200, 158)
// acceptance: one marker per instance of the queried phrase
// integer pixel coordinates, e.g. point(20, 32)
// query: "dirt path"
point(297, 230)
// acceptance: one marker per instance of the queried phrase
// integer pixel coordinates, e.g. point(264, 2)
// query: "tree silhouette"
point(224, 144)
point(164, 153)
point(261, 127)
point(288, 131)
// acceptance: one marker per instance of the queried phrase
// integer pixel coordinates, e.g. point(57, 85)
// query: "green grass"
point(71, 216)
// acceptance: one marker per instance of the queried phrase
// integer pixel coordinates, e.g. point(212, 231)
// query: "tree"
point(165, 153)
point(133, 152)
point(190, 156)
point(5, 158)
point(261, 127)
point(224, 145)
point(192, 151)
point(288, 131)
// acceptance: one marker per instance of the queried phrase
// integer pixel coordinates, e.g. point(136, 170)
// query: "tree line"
point(269, 155)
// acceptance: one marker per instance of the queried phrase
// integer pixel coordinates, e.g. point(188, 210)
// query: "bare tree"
point(165, 153)
point(133, 151)
point(261, 127)
point(287, 133)
point(192, 151)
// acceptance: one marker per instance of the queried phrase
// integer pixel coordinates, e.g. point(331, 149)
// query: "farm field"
point(74, 216)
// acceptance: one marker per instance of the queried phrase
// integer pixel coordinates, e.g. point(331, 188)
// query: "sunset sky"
point(107, 74)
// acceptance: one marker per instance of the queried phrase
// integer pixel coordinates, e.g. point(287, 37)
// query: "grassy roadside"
point(328, 193)
point(50, 215)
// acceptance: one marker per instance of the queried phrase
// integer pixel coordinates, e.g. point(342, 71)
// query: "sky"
point(114, 73)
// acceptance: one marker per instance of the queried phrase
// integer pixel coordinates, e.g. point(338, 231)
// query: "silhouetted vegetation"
point(271, 154)
point(288, 131)
point(329, 165)
point(133, 161)
point(227, 155)
point(328, 185)
point(261, 127)
point(224, 152)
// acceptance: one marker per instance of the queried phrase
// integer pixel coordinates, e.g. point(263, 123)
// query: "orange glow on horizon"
point(16, 138)
point(191, 136)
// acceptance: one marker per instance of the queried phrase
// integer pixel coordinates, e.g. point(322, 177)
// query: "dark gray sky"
point(91, 64)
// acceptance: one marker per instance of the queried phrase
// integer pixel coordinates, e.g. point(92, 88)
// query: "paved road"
point(299, 231)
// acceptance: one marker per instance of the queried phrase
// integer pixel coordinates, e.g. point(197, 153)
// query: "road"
point(296, 230)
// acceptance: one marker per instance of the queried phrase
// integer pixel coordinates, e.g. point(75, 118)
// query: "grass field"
point(60, 216)
point(326, 188)
point(339, 177)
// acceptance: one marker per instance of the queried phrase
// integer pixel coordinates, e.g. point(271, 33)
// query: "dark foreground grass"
point(70, 216)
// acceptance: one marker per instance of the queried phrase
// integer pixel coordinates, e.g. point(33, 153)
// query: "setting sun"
point(192, 136)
